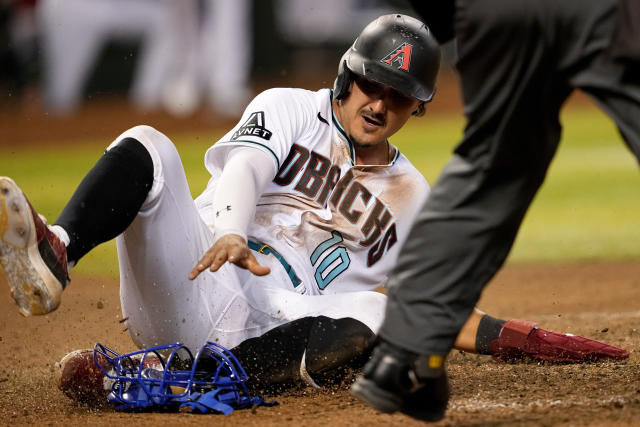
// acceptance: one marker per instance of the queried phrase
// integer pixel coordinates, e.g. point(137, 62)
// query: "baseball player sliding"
point(279, 258)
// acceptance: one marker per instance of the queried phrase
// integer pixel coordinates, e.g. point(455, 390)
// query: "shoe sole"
point(33, 286)
point(379, 399)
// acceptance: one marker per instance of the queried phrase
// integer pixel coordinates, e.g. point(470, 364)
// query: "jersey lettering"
point(330, 183)
point(377, 221)
point(293, 163)
point(333, 264)
point(318, 174)
point(313, 176)
point(320, 180)
point(353, 215)
point(382, 246)
point(342, 185)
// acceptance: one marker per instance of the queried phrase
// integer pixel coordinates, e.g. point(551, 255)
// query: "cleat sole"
point(33, 287)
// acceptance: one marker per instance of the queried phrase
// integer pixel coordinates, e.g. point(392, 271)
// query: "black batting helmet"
point(394, 50)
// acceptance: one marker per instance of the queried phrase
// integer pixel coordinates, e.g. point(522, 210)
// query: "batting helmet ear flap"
point(343, 81)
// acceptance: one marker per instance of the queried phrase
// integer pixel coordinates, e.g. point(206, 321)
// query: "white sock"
point(304, 374)
point(61, 233)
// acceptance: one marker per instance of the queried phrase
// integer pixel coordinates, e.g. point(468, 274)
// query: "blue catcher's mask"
point(168, 377)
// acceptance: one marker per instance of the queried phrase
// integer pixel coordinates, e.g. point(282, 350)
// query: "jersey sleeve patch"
point(253, 126)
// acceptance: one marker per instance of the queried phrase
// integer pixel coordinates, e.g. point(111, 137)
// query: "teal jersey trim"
point(265, 249)
point(352, 150)
point(396, 157)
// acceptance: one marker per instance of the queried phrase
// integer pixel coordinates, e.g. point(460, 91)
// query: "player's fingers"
point(255, 267)
point(200, 266)
point(212, 259)
point(243, 258)
point(196, 271)
point(237, 254)
point(219, 258)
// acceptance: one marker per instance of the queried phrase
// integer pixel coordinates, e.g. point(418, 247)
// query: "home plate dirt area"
point(597, 300)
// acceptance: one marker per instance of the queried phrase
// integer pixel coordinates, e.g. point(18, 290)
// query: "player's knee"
point(145, 133)
point(132, 153)
point(154, 141)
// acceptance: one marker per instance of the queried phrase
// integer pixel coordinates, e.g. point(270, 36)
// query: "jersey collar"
point(342, 133)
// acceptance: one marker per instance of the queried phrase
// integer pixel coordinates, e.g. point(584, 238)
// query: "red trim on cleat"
point(52, 250)
point(34, 259)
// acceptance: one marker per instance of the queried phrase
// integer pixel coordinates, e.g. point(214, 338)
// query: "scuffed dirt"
point(598, 300)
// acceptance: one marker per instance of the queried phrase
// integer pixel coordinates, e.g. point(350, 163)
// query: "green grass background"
point(586, 210)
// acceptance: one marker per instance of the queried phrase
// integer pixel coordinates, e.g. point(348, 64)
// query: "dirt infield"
point(598, 300)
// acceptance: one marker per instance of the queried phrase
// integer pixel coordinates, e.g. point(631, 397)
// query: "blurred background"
point(181, 63)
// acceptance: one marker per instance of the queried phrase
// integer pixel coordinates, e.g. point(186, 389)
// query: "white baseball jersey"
point(329, 230)
point(338, 225)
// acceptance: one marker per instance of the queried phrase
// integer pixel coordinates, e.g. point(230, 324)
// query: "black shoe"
point(398, 380)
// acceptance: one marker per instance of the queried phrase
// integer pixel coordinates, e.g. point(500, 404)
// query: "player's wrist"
point(219, 233)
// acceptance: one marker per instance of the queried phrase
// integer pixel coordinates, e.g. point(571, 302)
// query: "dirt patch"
point(598, 300)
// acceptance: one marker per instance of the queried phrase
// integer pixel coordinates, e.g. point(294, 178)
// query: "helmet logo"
point(400, 56)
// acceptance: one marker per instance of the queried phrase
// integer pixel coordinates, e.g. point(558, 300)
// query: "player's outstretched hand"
point(231, 248)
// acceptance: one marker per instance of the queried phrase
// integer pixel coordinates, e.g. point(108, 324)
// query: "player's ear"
point(422, 106)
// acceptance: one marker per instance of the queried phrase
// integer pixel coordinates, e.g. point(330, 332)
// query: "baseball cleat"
point(395, 380)
point(521, 339)
point(80, 379)
point(33, 257)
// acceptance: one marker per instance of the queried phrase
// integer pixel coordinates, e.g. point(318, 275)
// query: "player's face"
point(373, 112)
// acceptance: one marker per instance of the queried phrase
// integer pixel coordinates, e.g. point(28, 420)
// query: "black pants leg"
point(516, 60)
point(108, 198)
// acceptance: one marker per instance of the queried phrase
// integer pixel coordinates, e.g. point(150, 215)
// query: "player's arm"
point(245, 175)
